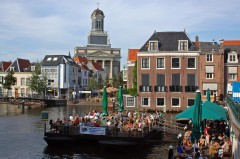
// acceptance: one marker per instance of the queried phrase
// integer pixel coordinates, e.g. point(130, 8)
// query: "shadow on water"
point(95, 152)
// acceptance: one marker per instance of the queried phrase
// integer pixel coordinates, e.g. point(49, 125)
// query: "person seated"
point(195, 149)
point(180, 150)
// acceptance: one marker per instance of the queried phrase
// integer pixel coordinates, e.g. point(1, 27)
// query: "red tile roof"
point(231, 42)
point(132, 54)
point(81, 60)
point(6, 65)
point(97, 66)
point(23, 64)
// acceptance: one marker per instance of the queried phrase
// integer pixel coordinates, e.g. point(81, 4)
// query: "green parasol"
point(105, 101)
point(120, 100)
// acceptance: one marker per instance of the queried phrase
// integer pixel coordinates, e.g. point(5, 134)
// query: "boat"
point(104, 136)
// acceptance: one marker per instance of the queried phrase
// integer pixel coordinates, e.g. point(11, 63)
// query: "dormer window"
point(232, 57)
point(183, 45)
point(32, 68)
point(49, 59)
point(153, 45)
point(11, 68)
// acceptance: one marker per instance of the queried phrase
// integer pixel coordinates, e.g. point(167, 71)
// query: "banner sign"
point(92, 130)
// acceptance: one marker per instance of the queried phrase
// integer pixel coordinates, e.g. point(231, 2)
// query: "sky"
point(33, 29)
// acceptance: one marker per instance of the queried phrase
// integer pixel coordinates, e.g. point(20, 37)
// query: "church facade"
point(99, 48)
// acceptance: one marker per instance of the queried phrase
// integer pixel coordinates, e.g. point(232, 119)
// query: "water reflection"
point(24, 133)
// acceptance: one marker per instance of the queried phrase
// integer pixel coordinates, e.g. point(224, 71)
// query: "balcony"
point(145, 88)
point(160, 88)
point(175, 88)
point(191, 88)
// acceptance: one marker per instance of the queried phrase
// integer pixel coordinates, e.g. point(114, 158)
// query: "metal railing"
point(235, 107)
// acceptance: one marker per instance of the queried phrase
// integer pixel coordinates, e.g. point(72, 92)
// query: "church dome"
point(97, 12)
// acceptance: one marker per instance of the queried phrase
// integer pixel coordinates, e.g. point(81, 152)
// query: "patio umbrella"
point(210, 111)
point(197, 118)
point(208, 95)
point(120, 99)
point(105, 101)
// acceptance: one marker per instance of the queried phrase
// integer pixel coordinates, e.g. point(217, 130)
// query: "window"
point(153, 45)
point(209, 57)
point(175, 62)
point(190, 102)
point(209, 75)
point(32, 68)
point(176, 79)
point(232, 58)
point(1, 79)
point(160, 63)
point(191, 79)
point(160, 102)
point(232, 77)
point(23, 82)
point(183, 45)
point(191, 63)
point(212, 92)
point(11, 68)
point(175, 102)
point(99, 24)
point(28, 92)
point(146, 102)
point(22, 92)
point(55, 59)
point(49, 59)
point(130, 102)
point(145, 62)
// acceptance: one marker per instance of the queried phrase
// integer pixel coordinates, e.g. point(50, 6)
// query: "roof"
point(97, 12)
point(20, 65)
point(5, 65)
point(55, 60)
point(132, 54)
point(97, 66)
point(81, 60)
point(231, 42)
point(168, 41)
point(209, 46)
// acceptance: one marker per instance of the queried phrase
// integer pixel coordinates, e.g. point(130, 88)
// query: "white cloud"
point(53, 26)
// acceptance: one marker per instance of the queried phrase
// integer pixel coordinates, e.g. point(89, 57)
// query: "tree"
point(100, 82)
point(38, 81)
point(120, 80)
point(114, 81)
point(92, 84)
point(133, 91)
point(106, 82)
point(9, 81)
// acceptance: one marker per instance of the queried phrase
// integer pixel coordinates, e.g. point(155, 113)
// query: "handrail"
point(235, 107)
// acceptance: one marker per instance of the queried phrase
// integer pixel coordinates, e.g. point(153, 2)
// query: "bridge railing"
point(234, 106)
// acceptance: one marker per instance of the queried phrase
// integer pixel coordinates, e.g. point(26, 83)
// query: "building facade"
point(99, 48)
point(168, 71)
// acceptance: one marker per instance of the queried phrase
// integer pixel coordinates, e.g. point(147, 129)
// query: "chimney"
point(213, 42)
point(197, 41)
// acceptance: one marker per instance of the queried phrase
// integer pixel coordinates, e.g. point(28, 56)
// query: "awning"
point(210, 86)
point(232, 69)
point(209, 69)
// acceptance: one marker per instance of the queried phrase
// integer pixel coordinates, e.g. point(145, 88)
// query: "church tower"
point(97, 36)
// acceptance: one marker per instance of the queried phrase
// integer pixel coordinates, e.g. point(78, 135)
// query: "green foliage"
point(38, 81)
point(100, 82)
point(120, 80)
point(133, 92)
point(106, 82)
point(114, 81)
point(9, 80)
point(92, 83)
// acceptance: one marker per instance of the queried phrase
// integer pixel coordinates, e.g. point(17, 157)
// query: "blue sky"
point(33, 29)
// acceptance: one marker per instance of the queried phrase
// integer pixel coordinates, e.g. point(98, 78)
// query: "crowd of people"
point(120, 121)
point(215, 138)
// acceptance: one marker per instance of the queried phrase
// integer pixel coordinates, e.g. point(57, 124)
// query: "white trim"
point(179, 63)
point(179, 102)
point(134, 101)
point(160, 106)
point(149, 101)
point(168, 54)
point(194, 61)
point(148, 62)
point(163, 61)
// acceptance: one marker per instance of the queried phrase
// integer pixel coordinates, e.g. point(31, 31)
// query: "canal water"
point(21, 136)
